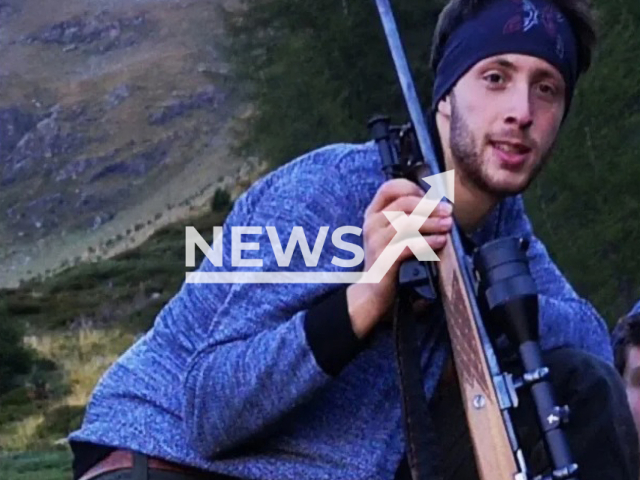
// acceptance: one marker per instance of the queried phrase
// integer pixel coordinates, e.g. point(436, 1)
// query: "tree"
point(315, 72)
point(15, 359)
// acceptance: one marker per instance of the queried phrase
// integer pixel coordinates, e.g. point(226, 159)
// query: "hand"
point(369, 302)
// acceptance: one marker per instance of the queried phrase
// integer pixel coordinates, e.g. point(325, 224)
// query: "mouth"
point(511, 154)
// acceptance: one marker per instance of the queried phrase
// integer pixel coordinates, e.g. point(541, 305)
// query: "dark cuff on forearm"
point(330, 334)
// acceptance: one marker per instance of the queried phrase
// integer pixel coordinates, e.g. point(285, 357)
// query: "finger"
point(405, 203)
point(435, 242)
point(409, 205)
point(379, 220)
point(379, 235)
point(429, 226)
point(443, 209)
point(391, 190)
point(434, 225)
point(440, 221)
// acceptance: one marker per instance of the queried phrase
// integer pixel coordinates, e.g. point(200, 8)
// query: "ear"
point(444, 106)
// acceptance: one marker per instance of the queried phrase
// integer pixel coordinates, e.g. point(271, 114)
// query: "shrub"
point(221, 200)
point(15, 359)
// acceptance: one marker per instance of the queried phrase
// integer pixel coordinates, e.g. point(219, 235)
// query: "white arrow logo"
point(552, 419)
point(407, 228)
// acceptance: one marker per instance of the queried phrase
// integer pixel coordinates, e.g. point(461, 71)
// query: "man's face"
point(631, 378)
point(505, 115)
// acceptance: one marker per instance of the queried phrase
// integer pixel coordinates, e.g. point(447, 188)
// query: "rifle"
point(498, 288)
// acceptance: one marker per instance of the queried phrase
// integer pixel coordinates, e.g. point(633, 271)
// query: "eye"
point(494, 78)
point(547, 89)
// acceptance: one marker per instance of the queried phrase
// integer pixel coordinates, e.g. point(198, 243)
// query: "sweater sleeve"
point(565, 318)
point(271, 346)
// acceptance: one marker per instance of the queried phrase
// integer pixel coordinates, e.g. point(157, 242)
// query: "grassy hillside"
point(51, 465)
point(125, 290)
point(79, 322)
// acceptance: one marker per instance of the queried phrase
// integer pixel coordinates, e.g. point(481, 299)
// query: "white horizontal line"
point(276, 277)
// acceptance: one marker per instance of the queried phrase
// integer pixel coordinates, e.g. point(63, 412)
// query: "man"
point(625, 340)
point(290, 381)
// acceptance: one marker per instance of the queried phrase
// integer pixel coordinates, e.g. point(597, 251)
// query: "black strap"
point(422, 442)
point(140, 470)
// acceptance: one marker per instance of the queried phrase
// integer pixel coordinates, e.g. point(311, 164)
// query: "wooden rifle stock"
point(493, 451)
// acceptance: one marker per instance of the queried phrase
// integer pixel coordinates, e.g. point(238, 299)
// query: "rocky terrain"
point(114, 120)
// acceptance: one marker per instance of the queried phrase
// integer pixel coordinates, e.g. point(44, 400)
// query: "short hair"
point(579, 14)
point(625, 334)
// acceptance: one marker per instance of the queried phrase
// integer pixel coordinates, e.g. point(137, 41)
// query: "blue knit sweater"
point(230, 379)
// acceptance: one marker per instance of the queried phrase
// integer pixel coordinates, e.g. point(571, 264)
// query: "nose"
point(520, 111)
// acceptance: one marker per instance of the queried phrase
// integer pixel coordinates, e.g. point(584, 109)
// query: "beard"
point(466, 155)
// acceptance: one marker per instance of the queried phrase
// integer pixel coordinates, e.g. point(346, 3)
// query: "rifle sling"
point(422, 442)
